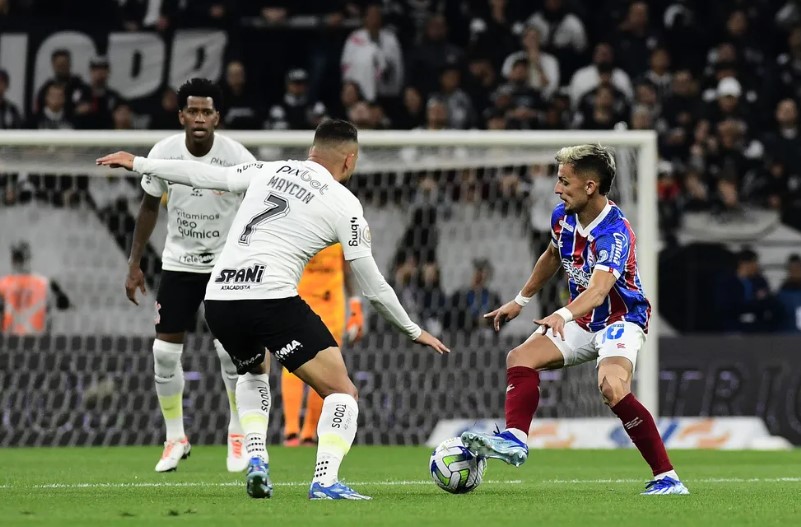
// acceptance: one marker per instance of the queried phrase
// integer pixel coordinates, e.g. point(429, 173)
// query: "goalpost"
point(482, 187)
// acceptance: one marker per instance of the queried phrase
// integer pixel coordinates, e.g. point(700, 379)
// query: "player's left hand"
point(553, 322)
point(117, 160)
point(354, 329)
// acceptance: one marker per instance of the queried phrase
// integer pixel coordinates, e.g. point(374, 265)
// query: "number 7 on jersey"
point(278, 208)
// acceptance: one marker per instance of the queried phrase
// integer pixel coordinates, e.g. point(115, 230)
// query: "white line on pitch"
point(179, 484)
point(224, 484)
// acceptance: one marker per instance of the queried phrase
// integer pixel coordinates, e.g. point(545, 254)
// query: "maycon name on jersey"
point(281, 184)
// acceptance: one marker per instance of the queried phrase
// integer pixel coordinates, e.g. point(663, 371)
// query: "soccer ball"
point(454, 468)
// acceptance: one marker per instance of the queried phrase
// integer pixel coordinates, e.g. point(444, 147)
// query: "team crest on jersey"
point(603, 256)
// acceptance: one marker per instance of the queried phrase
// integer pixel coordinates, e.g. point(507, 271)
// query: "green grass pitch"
point(117, 486)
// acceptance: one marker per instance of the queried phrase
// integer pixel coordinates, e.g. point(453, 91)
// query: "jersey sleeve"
point(151, 184)
point(556, 227)
point(612, 252)
point(354, 234)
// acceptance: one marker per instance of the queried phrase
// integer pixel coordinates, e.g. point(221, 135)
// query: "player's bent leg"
point(614, 382)
point(235, 461)
point(292, 400)
point(169, 381)
point(522, 399)
point(254, 401)
point(327, 374)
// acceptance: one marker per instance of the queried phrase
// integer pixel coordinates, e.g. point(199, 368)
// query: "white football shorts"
point(621, 339)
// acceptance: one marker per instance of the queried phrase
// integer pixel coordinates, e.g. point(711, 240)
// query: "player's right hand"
point(117, 160)
point(503, 314)
point(427, 339)
point(135, 280)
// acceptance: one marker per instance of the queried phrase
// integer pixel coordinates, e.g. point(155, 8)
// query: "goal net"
point(450, 212)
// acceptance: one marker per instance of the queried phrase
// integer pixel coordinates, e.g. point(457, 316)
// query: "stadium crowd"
point(719, 80)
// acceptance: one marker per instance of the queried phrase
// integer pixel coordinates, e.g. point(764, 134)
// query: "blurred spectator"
point(10, 116)
point(469, 305)
point(659, 72)
point(431, 300)
point(481, 81)
point(635, 40)
point(53, 115)
point(588, 77)
point(74, 88)
point(123, 117)
point(789, 296)
point(527, 103)
point(436, 115)
point(562, 33)
point(495, 120)
point(349, 95)
point(26, 297)
point(738, 33)
point(461, 114)
point(296, 111)
point(680, 111)
point(166, 117)
point(412, 114)
point(491, 31)
point(207, 13)
point(101, 99)
point(543, 67)
point(744, 302)
point(434, 53)
point(641, 118)
point(602, 111)
point(728, 105)
point(241, 112)
point(557, 115)
point(148, 14)
point(782, 143)
point(788, 66)
point(372, 57)
point(360, 115)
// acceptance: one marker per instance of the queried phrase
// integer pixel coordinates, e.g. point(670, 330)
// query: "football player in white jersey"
point(198, 223)
point(291, 210)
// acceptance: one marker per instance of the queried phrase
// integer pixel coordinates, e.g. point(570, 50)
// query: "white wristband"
point(565, 314)
point(522, 300)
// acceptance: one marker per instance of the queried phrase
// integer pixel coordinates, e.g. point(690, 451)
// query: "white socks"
point(671, 473)
point(519, 434)
point(230, 378)
point(170, 386)
point(335, 432)
point(253, 400)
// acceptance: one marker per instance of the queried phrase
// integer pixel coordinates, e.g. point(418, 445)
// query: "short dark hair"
point(336, 131)
point(747, 255)
point(198, 87)
point(591, 158)
point(60, 52)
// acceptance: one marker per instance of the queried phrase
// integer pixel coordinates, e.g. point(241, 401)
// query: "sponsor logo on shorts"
point(239, 279)
point(288, 350)
point(157, 318)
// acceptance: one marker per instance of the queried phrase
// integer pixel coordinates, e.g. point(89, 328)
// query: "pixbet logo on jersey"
point(238, 279)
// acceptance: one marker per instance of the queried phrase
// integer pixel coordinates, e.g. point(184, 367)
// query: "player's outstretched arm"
point(601, 282)
point(546, 266)
point(385, 301)
point(192, 173)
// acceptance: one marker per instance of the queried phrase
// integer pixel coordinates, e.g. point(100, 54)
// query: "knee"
point(515, 358)
point(612, 390)
point(344, 386)
point(166, 359)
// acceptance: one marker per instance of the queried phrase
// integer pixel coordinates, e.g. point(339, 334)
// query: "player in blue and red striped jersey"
point(606, 319)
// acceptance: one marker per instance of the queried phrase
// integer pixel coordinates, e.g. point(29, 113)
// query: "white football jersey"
point(291, 211)
point(198, 219)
